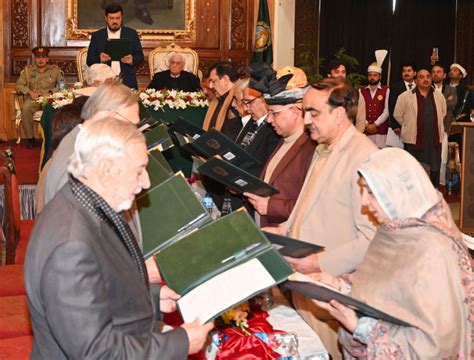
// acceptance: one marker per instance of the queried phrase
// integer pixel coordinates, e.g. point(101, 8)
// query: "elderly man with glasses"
point(175, 78)
point(287, 167)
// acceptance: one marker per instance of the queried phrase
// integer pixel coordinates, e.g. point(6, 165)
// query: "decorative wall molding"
point(19, 24)
point(18, 65)
point(238, 24)
point(68, 66)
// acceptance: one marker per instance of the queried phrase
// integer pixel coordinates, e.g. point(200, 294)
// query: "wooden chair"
point(158, 60)
point(81, 64)
point(17, 104)
point(17, 231)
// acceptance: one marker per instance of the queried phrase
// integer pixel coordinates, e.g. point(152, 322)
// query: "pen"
point(242, 252)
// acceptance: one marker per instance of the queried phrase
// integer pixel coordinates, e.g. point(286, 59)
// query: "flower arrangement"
point(57, 99)
point(237, 317)
point(174, 99)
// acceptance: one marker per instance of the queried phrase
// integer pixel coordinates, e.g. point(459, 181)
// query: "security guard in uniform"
point(36, 80)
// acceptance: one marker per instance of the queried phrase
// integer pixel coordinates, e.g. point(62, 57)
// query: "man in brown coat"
point(287, 167)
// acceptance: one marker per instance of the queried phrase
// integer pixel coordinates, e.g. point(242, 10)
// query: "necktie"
point(410, 86)
point(249, 136)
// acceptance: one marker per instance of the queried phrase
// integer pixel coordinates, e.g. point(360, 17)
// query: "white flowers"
point(173, 99)
point(57, 99)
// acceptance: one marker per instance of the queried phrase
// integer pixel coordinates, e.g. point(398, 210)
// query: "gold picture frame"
point(186, 32)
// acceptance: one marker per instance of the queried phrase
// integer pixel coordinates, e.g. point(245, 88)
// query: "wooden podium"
point(466, 212)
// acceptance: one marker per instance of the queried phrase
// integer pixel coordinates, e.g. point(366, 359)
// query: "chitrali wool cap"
point(286, 85)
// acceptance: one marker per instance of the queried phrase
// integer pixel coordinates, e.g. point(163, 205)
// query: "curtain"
point(418, 27)
point(359, 26)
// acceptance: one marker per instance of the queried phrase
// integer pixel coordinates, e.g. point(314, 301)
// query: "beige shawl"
point(417, 267)
point(222, 114)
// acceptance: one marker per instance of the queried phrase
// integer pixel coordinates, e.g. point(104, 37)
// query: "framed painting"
point(162, 20)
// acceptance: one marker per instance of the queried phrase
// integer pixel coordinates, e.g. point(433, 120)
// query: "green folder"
point(158, 168)
point(158, 138)
point(215, 248)
point(167, 212)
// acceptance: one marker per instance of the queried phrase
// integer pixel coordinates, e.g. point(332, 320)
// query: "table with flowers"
point(166, 105)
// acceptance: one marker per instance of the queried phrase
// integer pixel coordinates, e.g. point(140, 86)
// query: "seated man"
point(175, 78)
point(222, 78)
point(87, 284)
point(36, 80)
point(287, 167)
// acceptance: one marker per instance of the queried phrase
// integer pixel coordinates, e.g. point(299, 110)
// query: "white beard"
point(124, 205)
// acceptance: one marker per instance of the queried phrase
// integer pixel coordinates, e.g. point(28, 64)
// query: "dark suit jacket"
point(262, 145)
point(97, 46)
point(86, 297)
point(185, 82)
point(288, 177)
point(395, 90)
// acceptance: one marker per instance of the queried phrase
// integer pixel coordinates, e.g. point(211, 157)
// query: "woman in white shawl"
point(416, 269)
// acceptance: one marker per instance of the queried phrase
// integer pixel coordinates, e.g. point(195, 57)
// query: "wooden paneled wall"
point(224, 30)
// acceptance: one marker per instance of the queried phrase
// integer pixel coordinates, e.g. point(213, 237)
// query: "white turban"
point(377, 66)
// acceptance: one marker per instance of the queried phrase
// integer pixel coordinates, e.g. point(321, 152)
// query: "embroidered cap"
point(286, 85)
point(460, 68)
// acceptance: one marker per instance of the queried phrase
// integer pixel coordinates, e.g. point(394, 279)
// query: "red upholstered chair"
point(17, 231)
point(17, 348)
point(14, 317)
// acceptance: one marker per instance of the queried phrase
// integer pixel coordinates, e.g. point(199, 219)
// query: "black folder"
point(292, 247)
point(184, 127)
point(118, 48)
point(146, 120)
point(214, 142)
point(235, 177)
point(326, 294)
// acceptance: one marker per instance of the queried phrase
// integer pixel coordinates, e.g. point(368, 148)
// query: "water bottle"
point(62, 84)
point(207, 202)
point(226, 206)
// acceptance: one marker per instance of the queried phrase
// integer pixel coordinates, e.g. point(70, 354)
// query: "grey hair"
point(100, 73)
point(101, 139)
point(241, 84)
point(173, 54)
point(108, 97)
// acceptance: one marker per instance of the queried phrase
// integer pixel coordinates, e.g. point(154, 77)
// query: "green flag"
point(263, 51)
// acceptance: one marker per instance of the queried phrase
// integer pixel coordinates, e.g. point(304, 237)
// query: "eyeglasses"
point(273, 112)
point(237, 100)
point(249, 101)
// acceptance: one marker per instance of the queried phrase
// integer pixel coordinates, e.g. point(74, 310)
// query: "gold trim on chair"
point(81, 64)
point(159, 58)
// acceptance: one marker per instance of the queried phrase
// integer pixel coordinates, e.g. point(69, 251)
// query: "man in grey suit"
point(87, 284)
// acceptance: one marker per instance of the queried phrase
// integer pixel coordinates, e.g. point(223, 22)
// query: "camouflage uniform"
point(41, 82)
